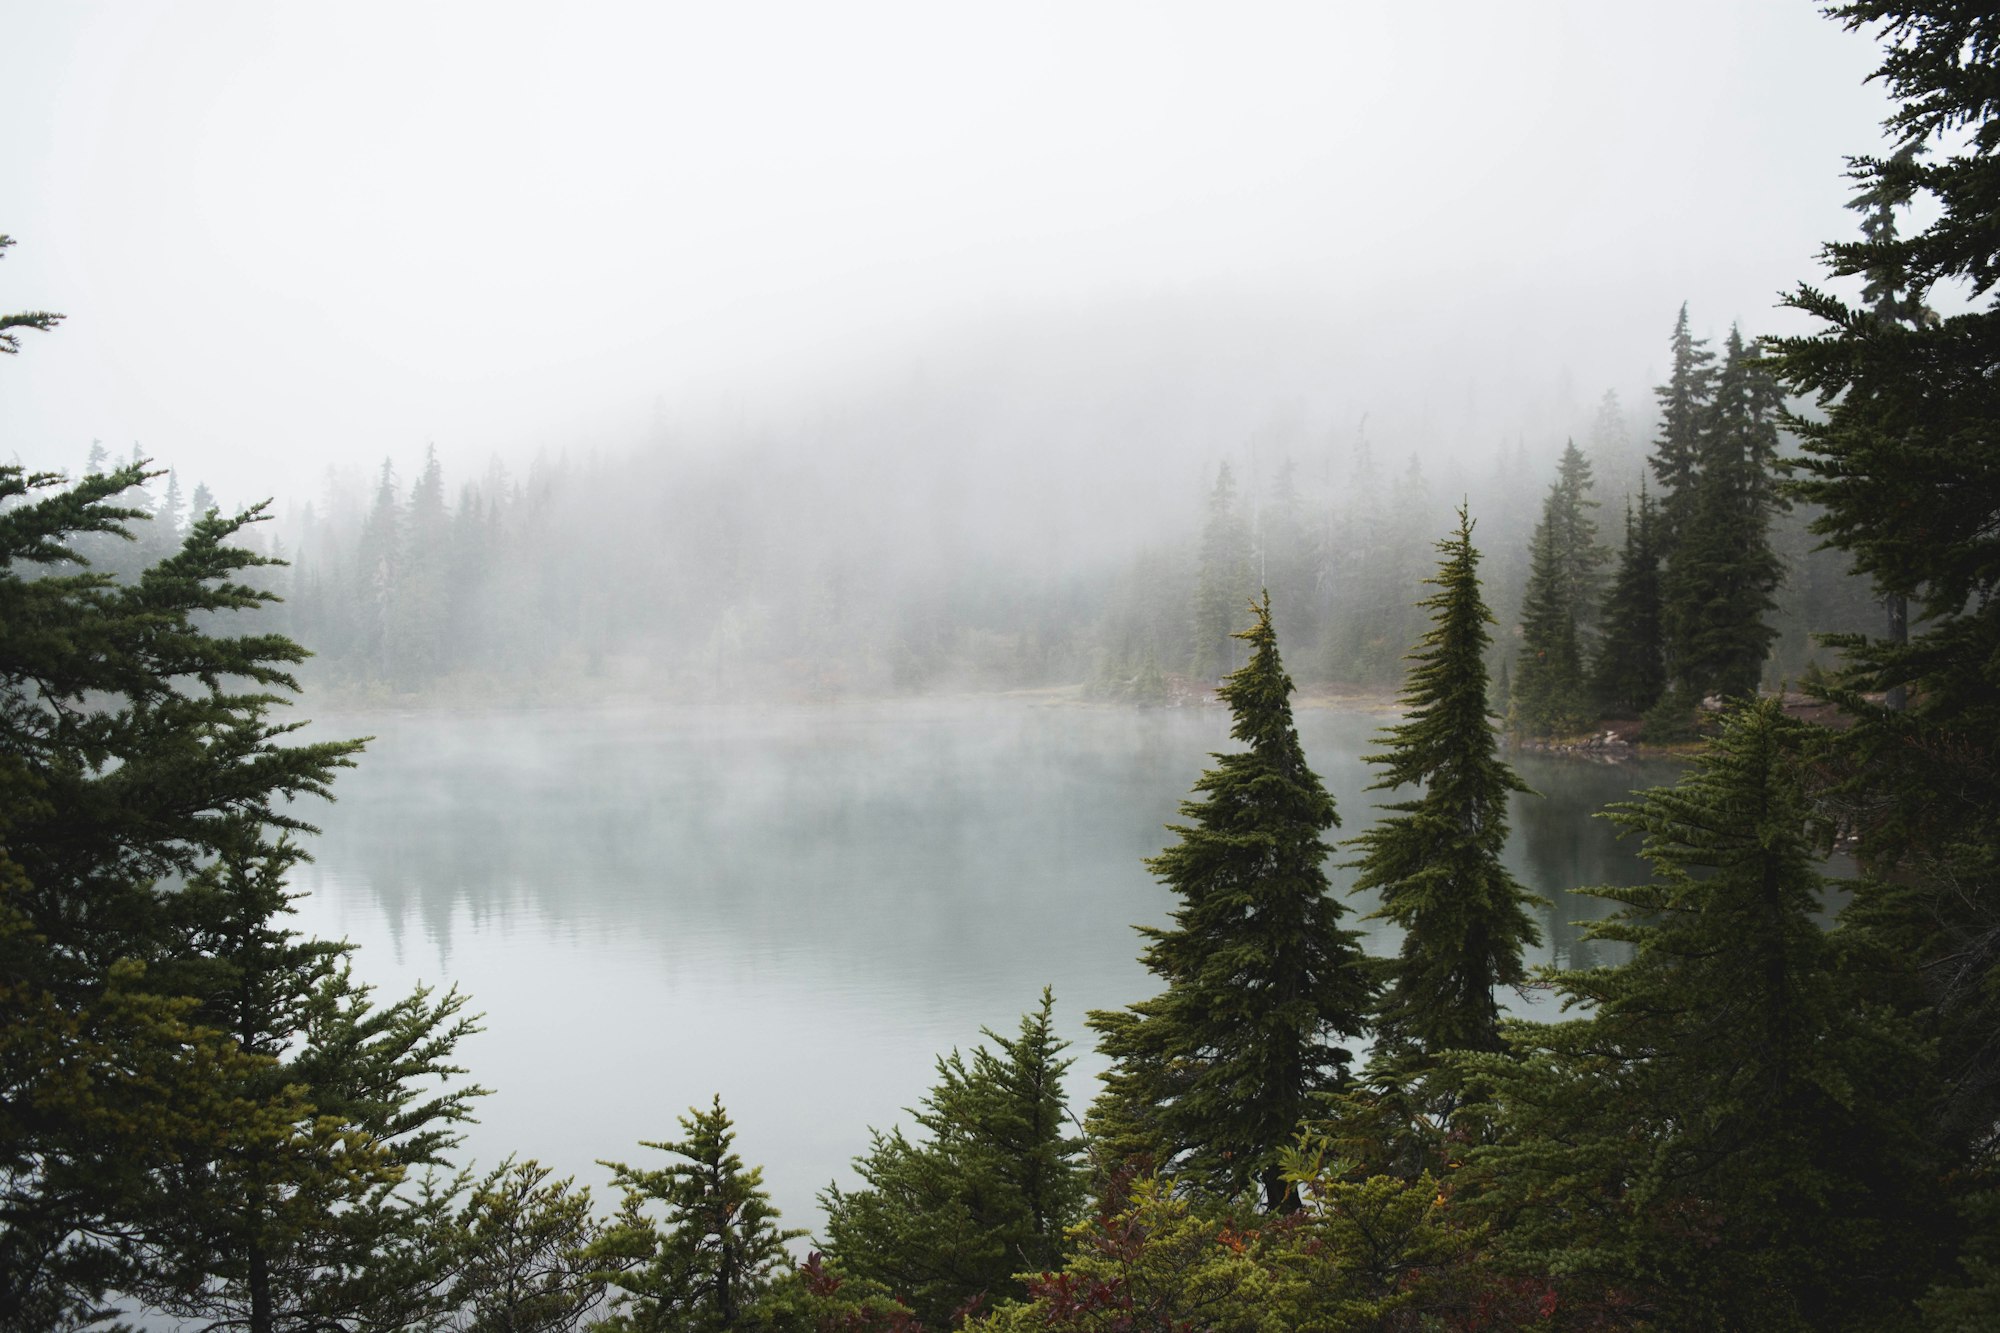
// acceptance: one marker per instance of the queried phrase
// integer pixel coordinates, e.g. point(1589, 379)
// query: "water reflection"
point(802, 908)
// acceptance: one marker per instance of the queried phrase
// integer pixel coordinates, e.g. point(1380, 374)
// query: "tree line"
point(1778, 1113)
point(736, 579)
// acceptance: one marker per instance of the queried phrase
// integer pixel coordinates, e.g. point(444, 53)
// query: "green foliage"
point(256, 1160)
point(1210, 1078)
point(1721, 570)
point(1629, 671)
point(1902, 462)
point(944, 1224)
point(1435, 858)
point(710, 1261)
point(1356, 1255)
point(1685, 400)
point(40, 320)
point(1726, 1140)
point(525, 1265)
point(1559, 607)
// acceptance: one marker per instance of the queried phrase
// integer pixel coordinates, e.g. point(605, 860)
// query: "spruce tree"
point(708, 1262)
point(947, 1221)
point(1904, 466)
point(1727, 1138)
point(1722, 571)
point(39, 320)
point(1559, 606)
point(204, 1111)
point(1211, 1077)
point(1629, 672)
point(1435, 859)
point(1684, 407)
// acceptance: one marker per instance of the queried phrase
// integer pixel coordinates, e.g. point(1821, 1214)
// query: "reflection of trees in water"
point(921, 840)
point(1563, 846)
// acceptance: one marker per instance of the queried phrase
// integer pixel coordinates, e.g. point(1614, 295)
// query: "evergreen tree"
point(1435, 859)
point(40, 320)
point(1684, 407)
point(947, 1222)
point(1721, 571)
point(1559, 606)
point(1629, 672)
point(1211, 1077)
point(1904, 467)
point(709, 1262)
point(1726, 1139)
point(1223, 580)
point(249, 1159)
point(526, 1266)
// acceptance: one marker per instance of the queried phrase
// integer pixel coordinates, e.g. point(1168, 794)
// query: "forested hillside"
point(1772, 1102)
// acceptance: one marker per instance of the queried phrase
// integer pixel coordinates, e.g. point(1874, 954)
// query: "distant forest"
point(753, 571)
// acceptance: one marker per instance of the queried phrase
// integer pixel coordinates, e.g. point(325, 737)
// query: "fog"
point(1041, 241)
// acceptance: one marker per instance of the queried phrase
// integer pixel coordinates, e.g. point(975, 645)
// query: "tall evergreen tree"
point(1629, 672)
point(1435, 859)
point(1684, 408)
point(1222, 581)
point(1212, 1077)
point(1905, 466)
point(202, 1111)
point(1721, 570)
point(1559, 606)
point(946, 1222)
point(712, 1258)
point(1725, 1140)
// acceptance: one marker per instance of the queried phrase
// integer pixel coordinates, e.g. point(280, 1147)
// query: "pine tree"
point(251, 1157)
point(39, 320)
point(1559, 606)
point(709, 1261)
point(945, 1223)
point(1435, 859)
point(1903, 464)
point(1223, 580)
point(525, 1265)
point(1684, 407)
point(1211, 1077)
point(1727, 1137)
point(1629, 672)
point(1721, 570)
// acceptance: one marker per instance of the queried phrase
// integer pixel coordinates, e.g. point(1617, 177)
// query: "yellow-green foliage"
point(1358, 1254)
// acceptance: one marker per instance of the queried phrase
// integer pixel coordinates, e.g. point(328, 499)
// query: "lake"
point(801, 908)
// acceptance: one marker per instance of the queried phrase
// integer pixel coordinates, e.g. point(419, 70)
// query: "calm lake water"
point(801, 908)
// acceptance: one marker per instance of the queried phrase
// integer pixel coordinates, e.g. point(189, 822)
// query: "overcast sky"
point(284, 234)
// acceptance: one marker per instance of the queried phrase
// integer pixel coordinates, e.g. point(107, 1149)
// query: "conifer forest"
point(1355, 1066)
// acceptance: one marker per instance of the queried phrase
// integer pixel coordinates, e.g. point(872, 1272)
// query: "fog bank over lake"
point(801, 908)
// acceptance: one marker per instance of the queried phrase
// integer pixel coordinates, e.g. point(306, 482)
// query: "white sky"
point(285, 234)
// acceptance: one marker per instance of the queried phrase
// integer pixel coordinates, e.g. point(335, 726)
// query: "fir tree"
point(1435, 859)
point(1721, 571)
point(39, 320)
point(1629, 672)
point(1559, 606)
point(1726, 1139)
point(1904, 466)
point(945, 1223)
point(711, 1259)
point(1684, 406)
point(251, 1158)
point(1211, 1077)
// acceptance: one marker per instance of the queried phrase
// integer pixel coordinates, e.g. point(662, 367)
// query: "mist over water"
point(801, 908)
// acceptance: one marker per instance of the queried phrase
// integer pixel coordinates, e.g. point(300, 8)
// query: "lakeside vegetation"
point(1764, 1119)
